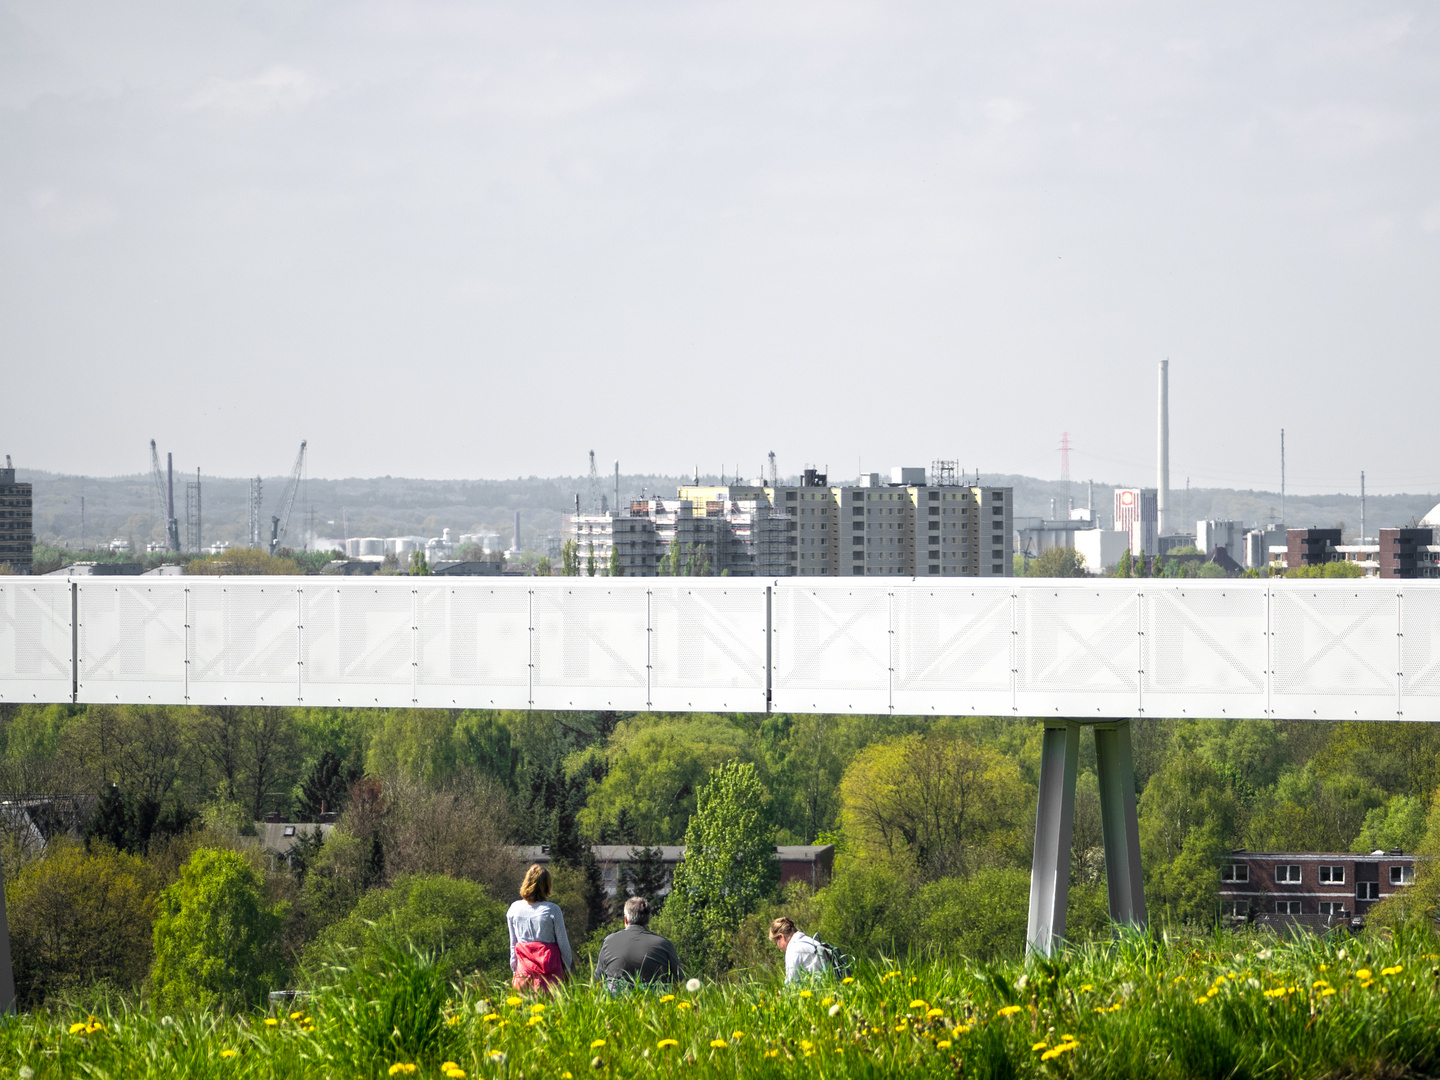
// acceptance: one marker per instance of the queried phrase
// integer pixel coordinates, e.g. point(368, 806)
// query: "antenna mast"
point(1282, 478)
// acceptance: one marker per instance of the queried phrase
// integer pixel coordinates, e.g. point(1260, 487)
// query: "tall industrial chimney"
point(1162, 479)
point(517, 530)
point(172, 528)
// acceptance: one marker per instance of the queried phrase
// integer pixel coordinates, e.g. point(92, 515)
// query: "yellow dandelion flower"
point(402, 1067)
point(962, 1029)
point(534, 1020)
point(78, 1027)
point(446, 1066)
point(682, 1005)
point(455, 1074)
point(567, 1075)
point(1198, 1001)
point(1320, 983)
point(806, 1044)
point(1008, 1010)
point(297, 1016)
point(737, 1034)
point(1363, 973)
point(228, 1053)
point(1114, 1008)
point(719, 1044)
point(902, 1026)
point(538, 1007)
point(847, 980)
point(1040, 1046)
point(828, 1002)
point(1212, 991)
point(1279, 991)
point(490, 1016)
point(919, 1003)
point(512, 1001)
point(270, 1021)
point(933, 1013)
point(772, 1053)
point(1396, 970)
point(667, 997)
point(1367, 984)
point(666, 1043)
point(1086, 988)
point(806, 994)
point(943, 1044)
point(595, 1044)
point(1327, 992)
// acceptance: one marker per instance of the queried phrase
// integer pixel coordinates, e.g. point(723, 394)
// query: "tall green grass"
point(1135, 1007)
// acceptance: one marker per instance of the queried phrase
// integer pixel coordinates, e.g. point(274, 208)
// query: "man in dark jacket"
point(636, 954)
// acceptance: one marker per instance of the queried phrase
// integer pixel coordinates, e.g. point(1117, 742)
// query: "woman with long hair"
point(539, 948)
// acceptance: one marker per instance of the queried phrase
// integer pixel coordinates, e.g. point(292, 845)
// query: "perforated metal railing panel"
point(131, 641)
point(953, 650)
point(1086, 648)
point(707, 645)
point(1202, 651)
point(35, 645)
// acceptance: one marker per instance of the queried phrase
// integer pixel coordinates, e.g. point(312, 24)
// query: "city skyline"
point(452, 240)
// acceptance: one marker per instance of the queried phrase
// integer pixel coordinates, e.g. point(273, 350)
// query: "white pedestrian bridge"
point(1080, 649)
point(1073, 652)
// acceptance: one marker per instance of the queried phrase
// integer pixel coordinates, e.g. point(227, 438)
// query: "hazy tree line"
point(932, 820)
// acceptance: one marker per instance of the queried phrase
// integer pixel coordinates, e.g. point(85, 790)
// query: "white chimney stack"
point(1162, 479)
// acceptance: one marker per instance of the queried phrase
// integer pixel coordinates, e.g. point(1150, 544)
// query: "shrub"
point(868, 908)
point(78, 918)
point(382, 1003)
point(454, 921)
point(216, 941)
point(982, 916)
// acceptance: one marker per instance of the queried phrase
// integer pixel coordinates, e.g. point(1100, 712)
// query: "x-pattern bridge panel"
point(1084, 649)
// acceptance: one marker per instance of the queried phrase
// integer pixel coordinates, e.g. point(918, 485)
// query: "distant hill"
point(123, 506)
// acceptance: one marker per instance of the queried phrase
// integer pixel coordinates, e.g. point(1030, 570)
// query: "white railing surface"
point(1329, 650)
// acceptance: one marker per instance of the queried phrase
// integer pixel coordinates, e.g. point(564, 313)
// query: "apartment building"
point(904, 526)
point(1307, 886)
point(17, 521)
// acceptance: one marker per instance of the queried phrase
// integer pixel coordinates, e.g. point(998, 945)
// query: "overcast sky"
point(481, 239)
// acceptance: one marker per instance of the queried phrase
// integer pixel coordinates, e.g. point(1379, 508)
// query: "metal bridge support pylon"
point(1054, 827)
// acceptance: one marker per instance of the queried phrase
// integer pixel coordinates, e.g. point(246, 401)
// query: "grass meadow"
point(1220, 1007)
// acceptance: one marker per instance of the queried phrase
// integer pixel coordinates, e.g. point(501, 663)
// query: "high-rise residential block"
point(17, 521)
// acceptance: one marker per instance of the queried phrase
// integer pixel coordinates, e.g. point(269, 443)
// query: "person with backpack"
point(805, 956)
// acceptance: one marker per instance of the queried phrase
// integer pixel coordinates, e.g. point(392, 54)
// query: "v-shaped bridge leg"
point(1119, 826)
point(1054, 825)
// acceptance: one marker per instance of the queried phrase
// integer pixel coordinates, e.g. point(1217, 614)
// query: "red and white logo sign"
point(1127, 498)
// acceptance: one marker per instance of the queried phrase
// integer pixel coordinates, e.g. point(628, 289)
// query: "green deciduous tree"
point(217, 942)
point(1399, 825)
point(656, 767)
point(78, 918)
point(729, 867)
point(1057, 562)
point(569, 559)
point(944, 804)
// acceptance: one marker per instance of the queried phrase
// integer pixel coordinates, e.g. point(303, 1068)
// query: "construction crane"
point(165, 493)
point(280, 521)
point(595, 495)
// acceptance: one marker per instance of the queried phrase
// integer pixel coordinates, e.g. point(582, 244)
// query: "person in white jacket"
point(803, 956)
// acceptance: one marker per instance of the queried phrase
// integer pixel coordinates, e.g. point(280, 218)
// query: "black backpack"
point(839, 965)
